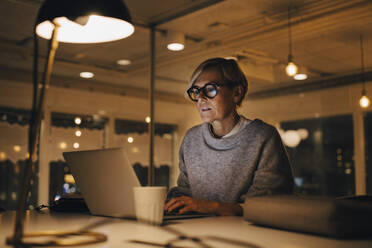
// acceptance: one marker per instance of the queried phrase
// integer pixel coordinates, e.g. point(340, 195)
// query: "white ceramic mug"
point(149, 204)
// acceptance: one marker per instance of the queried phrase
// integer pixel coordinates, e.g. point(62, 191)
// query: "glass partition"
point(71, 132)
point(321, 151)
point(133, 136)
point(14, 125)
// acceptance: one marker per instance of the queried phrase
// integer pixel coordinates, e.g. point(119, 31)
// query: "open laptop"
point(106, 180)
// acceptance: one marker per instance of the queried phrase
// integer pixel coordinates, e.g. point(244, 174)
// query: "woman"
point(228, 157)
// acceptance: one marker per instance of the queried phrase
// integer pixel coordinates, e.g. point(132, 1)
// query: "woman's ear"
point(237, 94)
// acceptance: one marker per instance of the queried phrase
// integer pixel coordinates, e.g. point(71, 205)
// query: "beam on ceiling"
point(320, 84)
point(23, 76)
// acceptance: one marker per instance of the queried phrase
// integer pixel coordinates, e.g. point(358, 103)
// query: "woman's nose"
point(201, 96)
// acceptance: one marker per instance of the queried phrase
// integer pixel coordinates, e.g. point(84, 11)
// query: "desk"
point(210, 230)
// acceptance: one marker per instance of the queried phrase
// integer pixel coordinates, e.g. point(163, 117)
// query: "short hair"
point(229, 70)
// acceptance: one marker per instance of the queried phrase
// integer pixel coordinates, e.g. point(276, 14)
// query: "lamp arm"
point(35, 123)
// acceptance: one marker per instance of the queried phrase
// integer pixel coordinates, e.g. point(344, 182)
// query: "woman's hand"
point(187, 204)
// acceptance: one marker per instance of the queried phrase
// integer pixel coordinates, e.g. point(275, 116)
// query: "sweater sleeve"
point(183, 186)
point(273, 174)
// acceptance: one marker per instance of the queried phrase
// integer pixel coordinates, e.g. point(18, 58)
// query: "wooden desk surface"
point(213, 231)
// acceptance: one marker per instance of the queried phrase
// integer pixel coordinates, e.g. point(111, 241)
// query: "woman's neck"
point(221, 128)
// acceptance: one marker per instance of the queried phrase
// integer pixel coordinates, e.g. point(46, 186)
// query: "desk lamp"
point(72, 21)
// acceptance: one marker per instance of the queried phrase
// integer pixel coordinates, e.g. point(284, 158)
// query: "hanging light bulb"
point(291, 69)
point(364, 100)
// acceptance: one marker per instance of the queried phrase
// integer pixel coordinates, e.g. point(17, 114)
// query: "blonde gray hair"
point(230, 72)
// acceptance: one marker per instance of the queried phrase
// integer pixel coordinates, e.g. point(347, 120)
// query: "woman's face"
point(219, 108)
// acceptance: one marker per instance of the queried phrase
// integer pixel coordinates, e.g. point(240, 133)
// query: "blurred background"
point(99, 92)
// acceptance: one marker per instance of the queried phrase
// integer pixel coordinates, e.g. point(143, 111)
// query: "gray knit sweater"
point(251, 162)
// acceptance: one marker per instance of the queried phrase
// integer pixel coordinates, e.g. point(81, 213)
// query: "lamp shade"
point(84, 21)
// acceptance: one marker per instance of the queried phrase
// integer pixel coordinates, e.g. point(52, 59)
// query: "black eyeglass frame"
point(203, 89)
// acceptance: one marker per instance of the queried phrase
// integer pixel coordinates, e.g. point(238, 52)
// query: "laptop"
point(106, 179)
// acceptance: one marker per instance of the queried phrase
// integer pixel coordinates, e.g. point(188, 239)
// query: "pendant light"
point(291, 68)
point(364, 100)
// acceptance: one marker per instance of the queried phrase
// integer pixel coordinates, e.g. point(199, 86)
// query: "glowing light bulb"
point(148, 119)
point(2, 156)
point(76, 145)
point(17, 148)
point(291, 69)
point(300, 76)
point(364, 101)
point(97, 29)
point(78, 133)
point(130, 139)
point(77, 120)
point(86, 74)
point(62, 145)
point(175, 46)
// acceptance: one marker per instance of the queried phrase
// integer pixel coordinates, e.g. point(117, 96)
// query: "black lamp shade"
point(78, 11)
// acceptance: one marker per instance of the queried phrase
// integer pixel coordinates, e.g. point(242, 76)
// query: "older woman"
point(228, 157)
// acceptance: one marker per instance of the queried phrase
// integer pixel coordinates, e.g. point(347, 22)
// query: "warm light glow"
point(175, 46)
point(69, 179)
point(17, 148)
point(62, 145)
point(27, 155)
point(135, 150)
point(291, 69)
point(97, 29)
point(130, 139)
point(86, 74)
point(303, 133)
point(148, 119)
point(77, 120)
point(364, 101)
point(78, 133)
point(291, 138)
point(300, 76)
point(123, 62)
point(2, 155)
point(76, 145)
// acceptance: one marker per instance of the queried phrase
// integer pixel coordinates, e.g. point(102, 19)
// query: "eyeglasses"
point(209, 90)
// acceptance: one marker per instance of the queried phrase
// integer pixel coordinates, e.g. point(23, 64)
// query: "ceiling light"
point(364, 100)
point(76, 145)
point(86, 74)
point(148, 119)
point(76, 25)
point(78, 133)
point(176, 41)
point(77, 120)
point(130, 139)
point(301, 74)
point(291, 68)
point(123, 62)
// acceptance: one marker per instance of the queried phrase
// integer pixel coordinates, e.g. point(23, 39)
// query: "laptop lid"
point(106, 180)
